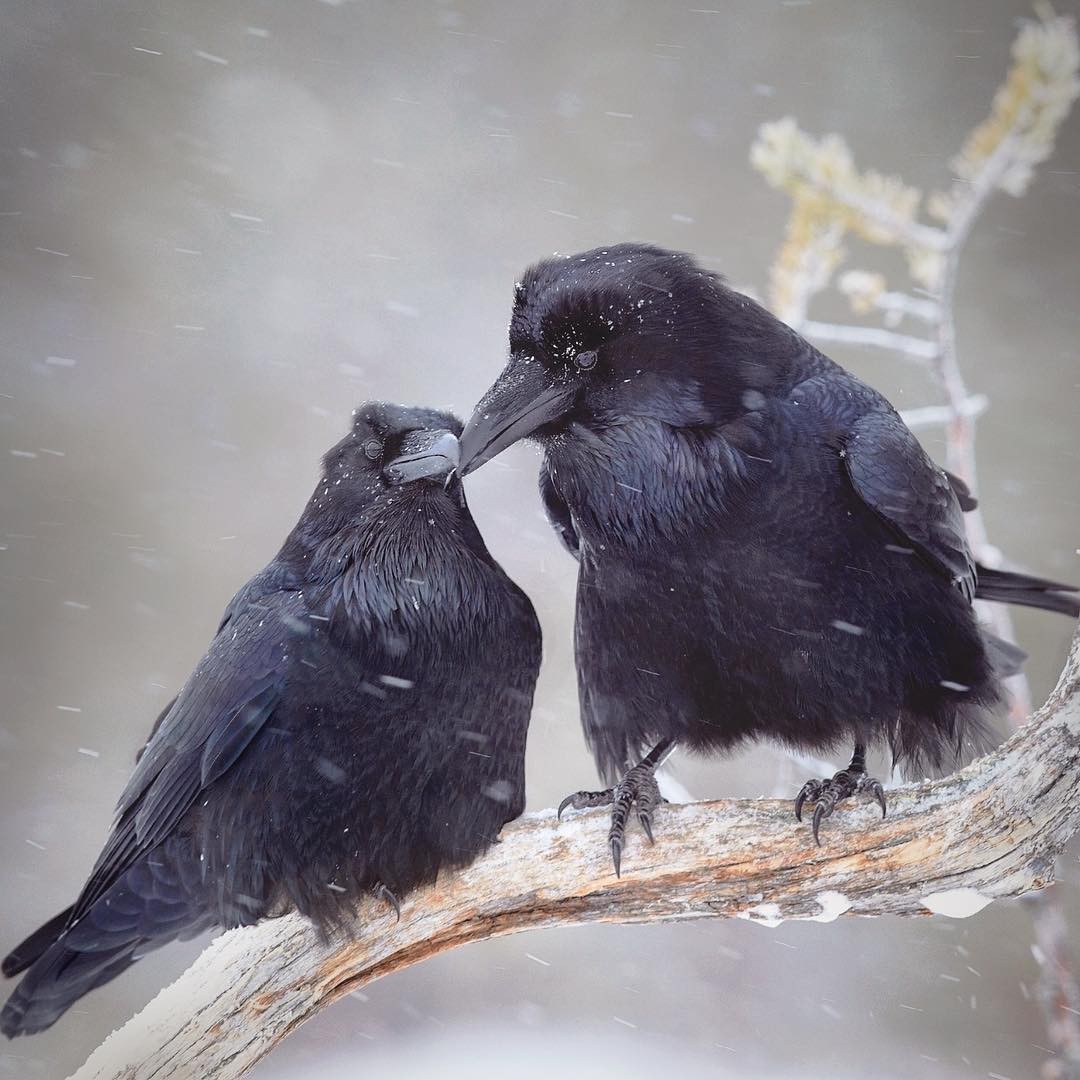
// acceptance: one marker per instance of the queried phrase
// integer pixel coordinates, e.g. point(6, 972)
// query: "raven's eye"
point(586, 359)
point(373, 449)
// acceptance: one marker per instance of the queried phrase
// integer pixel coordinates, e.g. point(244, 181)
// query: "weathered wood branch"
point(949, 846)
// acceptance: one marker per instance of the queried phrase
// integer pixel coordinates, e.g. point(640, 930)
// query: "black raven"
point(764, 547)
point(357, 723)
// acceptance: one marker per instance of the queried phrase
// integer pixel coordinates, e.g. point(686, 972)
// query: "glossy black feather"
point(1012, 588)
point(558, 513)
point(21, 957)
point(765, 550)
point(358, 720)
point(894, 477)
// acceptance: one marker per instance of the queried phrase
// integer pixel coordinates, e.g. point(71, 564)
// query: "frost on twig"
point(866, 291)
point(876, 337)
point(1027, 112)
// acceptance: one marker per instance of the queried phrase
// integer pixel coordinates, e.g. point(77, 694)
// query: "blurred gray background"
point(224, 224)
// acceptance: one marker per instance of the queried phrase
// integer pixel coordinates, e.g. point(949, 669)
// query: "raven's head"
point(625, 333)
point(390, 445)
point(387, 533)
point(393, 457)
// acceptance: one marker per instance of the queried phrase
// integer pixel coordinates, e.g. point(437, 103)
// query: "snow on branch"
point(948, 847)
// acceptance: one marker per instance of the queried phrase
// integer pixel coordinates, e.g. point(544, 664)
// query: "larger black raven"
point(764, 547)
point(357, 723)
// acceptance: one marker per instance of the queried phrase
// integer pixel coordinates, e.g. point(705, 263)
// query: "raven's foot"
point(381, 892)
point(637, 790)
point(827, 794)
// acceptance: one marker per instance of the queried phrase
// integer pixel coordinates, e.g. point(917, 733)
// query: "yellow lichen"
point(1030, 106)
point(862, 288)
point(831, 197)
point(823, 173)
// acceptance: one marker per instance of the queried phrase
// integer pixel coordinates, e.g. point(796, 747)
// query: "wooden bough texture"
point(948, 846)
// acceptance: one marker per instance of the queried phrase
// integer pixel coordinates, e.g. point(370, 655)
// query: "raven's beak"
point(522, 399)
point(437, 461)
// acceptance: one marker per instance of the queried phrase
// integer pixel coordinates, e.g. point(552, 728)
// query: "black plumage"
point(357, 724)
point(765, 550)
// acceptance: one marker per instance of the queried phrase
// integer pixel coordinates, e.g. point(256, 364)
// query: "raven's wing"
point(893, 475)
point(273, 578)
point(222, 707)
point(962, 492)
point(558, 512)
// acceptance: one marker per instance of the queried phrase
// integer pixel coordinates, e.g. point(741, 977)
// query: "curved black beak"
point(523, 399)
point(436, 461)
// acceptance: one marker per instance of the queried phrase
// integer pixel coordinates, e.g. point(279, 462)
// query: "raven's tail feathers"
point(1010, 588)
point(56, 980)
point(1005, 657)
point(26, 952)
point(156, 900)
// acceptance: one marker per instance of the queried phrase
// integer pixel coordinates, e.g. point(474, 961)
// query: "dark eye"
point(586, 359)
point(373, 449)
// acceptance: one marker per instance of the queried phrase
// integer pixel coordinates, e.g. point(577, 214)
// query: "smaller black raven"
point(765, 550)
point(357, 724)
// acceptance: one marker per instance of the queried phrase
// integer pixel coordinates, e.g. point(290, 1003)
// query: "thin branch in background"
point(866, 291)
point(938, 415)
point(914, 348)
point(831, 199)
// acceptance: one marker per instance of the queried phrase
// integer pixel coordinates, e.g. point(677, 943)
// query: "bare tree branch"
point(897, 304)
point(912, 233)
point(933, 415)
point(948, 846)
point(906, 344)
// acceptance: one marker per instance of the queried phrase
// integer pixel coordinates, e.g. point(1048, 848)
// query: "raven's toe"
point(826, 795)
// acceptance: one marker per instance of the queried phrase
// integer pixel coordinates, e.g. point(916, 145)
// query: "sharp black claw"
point(809, 792)
point(616, 855)
point(383, 893)
point(582, 800)
point(637, 791)
point(828, 794)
